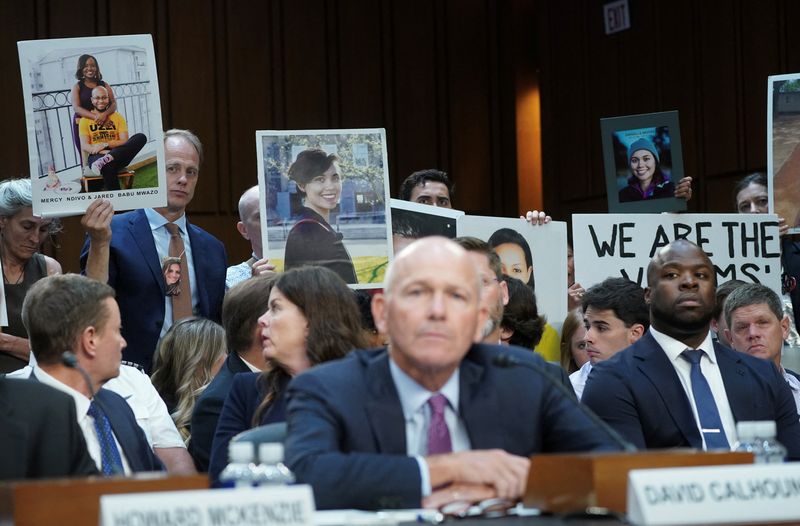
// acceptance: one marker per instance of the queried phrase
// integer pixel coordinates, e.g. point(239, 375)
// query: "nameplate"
point(270, 505)
point(755, 493)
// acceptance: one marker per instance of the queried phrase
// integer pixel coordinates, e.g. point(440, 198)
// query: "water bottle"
point(271, 470)
point(240, 471)
point(758, 438)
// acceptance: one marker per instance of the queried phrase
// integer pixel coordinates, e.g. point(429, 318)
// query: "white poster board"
point(64, 146)
point(411, 221)
point(741, 246)
point(343, 220)
point(548, 248)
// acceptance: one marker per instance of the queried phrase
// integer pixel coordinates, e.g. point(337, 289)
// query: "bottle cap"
point(242, 452)
point(270, 452)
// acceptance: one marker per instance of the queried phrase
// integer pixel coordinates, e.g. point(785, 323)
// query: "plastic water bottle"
point(240, 471)
point(758, 438)
point(271, 470)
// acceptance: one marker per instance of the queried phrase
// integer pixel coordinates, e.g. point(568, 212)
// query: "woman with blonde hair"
point(187, 359)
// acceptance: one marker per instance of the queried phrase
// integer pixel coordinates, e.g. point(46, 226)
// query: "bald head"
point(249, 225)
point(422, 252)
point(678, 248)
point(100, 98)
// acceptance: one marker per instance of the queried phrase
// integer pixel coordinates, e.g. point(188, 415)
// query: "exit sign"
point(616, 16)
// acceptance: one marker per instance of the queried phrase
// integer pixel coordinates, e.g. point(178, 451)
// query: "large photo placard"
point(412, 221)
point(325, 201)
point(783, 148)
point(537, 255)
point(741, 246)
point(93, 116)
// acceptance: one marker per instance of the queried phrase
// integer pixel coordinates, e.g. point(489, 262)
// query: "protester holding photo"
point(312, 240)
point(89, 77)
point(21, 236)
point(647, 181)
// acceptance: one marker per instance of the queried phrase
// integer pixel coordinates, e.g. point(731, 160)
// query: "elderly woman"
point(21, 235)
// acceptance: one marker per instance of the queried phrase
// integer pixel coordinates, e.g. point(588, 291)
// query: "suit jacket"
point(134, 271)
point(40, 436)
point(346, 429)
point(129, 435)
point(208, 407)
point(638, 392)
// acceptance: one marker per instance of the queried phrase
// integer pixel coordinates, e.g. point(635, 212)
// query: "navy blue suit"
point(638, 392)
point(134, 271)
point(346, 430)
point(208, 408)
point(129, 435)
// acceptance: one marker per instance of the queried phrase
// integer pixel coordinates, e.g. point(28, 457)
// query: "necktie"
point(181, 303)
point(112, 462)
point(710, 422)
point(438, 432)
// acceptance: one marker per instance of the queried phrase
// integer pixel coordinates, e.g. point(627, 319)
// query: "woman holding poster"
point(312, 240)
point(646, 181)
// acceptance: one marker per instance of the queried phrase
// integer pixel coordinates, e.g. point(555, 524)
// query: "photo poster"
point(74, 158)
point(340, 216)
point(548, 248)
point(783, 148)
point(741, 246)
point(412, 221)
point(642, 149)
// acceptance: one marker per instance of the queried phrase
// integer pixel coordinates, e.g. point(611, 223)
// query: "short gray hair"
point(189, 137)
point(752, 294)
point(15, 194)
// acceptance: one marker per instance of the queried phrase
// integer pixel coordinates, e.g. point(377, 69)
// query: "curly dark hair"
point(521, 315)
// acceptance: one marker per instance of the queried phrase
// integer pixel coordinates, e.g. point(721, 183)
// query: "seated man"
point(107, 145)
point(431, 419)
point(40, 436)
point(73, 325)
point(756, 325)
point(674, 387)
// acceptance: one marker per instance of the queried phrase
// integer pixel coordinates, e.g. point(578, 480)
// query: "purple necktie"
point(438, 432)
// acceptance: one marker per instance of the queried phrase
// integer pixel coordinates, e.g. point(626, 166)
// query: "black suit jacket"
point(39, 433)
point(208, 408)
point(346, 429)
point(638, 392)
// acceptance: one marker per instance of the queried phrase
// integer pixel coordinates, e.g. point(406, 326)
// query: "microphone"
point(507, 360)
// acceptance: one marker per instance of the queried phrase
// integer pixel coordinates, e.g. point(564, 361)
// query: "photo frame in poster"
point(412, 221)
point(325, 201)
point(641, 148)
point(547, 245)
point(783, 148)
point(79, 151)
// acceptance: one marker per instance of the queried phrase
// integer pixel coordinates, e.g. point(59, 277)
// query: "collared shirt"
point(579, 377)
point(161, 237)
point(794, 385)
point(250, 366)
point(239, 273)
point(417, 414)
point(710, 369)
point(85, 421)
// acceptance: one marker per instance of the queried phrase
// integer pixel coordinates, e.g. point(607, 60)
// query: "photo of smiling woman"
point(646, 181)
point(515, 255)
point(312, 240)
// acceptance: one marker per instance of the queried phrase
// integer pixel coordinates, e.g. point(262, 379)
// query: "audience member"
point(41, 437)
point(79, 316)
point(128, 255)
point(521, 324)
point(756, 325)
point(312, 318)
point(718, 324)
point(674, 387)
point(244, 303)
point(372, 337)
point(187, 359)
point(615, 316)
point(494, 292)
point(249, 226)
point(388, 428)
point(573, 345)
point(21, 236)
point(428, 187)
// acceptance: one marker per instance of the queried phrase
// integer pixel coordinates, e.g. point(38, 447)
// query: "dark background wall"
point(451, 80)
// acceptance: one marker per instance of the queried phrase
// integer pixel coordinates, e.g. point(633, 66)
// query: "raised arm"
point(97, 224)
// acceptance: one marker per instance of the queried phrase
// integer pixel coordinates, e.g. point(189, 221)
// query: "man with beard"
point(675, 387)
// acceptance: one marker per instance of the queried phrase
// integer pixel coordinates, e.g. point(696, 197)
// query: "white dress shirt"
point(708, 365)
point(85, 421)
point(794, 385)
point(161, 238)
point(579, 377)
point(417, 413)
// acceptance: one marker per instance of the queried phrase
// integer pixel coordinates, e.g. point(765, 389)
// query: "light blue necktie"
point(112, 462)
point(710, 422)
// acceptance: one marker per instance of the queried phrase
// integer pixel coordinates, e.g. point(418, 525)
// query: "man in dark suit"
point(431, 419)
point(129, 254)
point(244, 303)
point(78, 315)
point(40, 437)
point(756, 325)
point(674, 387)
